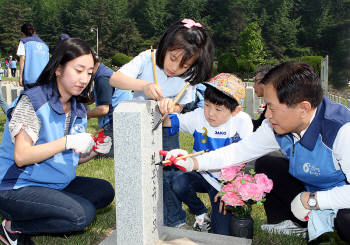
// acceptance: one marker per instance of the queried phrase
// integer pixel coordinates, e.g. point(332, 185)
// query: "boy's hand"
point(166, 106)
point(153, 91)
point(221, 205)
point(185, 164)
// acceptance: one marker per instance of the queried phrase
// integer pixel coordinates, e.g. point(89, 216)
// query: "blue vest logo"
point(39, 46)
point(312, 170)
point(79, 128)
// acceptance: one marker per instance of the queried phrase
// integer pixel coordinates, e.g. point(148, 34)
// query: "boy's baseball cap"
point(230, 85)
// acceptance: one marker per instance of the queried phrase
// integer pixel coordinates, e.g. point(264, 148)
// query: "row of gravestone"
point(252, 104)
point(10, 92)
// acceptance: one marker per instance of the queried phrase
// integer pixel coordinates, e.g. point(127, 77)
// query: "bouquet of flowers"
point(240, 190)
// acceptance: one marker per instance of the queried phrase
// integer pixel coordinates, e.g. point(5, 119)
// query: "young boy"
point(220, 123)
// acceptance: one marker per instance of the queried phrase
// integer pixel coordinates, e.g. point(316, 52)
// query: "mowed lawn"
point(104, 223)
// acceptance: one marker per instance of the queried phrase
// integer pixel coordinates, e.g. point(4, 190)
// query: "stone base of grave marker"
point(138, 182)
point(250, 101)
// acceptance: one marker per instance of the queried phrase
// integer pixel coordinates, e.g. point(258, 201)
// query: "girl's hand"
point(166, 106)
point(153, 91)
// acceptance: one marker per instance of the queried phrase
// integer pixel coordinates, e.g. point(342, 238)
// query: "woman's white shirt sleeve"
point(339, 197)
point(258, 144)
point(24, 118)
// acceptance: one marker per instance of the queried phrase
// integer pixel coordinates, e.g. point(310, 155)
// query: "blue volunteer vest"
point(36, 58)
point(57, 171)
point(310, 159)
point(118, 96)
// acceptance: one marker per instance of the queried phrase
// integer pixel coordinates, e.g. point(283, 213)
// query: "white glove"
point(80, 143)
point(298, 209)
point(104, 147)
point(185, 164)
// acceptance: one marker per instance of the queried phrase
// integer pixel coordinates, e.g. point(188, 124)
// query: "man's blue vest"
point(310, 159)
point(118, 96)
point(36, 58)
point(57, 171)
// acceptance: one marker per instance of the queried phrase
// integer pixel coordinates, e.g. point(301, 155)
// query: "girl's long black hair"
point(66, 51)
point(194, 41)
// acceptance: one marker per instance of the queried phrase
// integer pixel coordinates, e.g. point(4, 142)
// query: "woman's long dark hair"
point(66, 51)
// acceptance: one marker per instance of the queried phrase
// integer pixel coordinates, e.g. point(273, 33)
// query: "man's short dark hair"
point(295, 82)
point(27, 29)
point(219, 98)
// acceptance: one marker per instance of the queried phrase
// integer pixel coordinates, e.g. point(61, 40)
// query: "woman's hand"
point(153, 91)
point(80, 143)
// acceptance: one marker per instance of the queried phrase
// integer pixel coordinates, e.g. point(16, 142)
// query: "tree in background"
point(227, 20)
point(281, 27)
point(227, 63)
point(251, 46)
point(12, 16)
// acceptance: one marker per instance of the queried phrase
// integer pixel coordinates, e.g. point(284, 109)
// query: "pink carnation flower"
point(227, 188)
point(263, 182)
point(228, 174)
point(232, 199)
point(249, 191)
point(239, 188)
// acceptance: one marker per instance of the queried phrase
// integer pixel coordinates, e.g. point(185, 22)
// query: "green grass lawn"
point(104, 223)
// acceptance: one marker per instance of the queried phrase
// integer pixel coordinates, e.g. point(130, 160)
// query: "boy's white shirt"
point(193, 121)
point(263, 141)
point(141, 67)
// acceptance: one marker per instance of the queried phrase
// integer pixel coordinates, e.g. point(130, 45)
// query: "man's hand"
point(184, 164)
point(80, 143)
point(298, 208)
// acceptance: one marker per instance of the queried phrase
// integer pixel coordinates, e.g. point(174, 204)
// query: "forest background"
point(247, 33)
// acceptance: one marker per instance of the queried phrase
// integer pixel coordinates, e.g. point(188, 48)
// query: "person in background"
point(259, 91)
point(13, 66)
point(221, 122)
point(106, 99)
point(6, 67)
point(198, 101)
point(34, 55)
point(43, 142)
point(185, 53)
point(62, 37)
point(3, 103)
